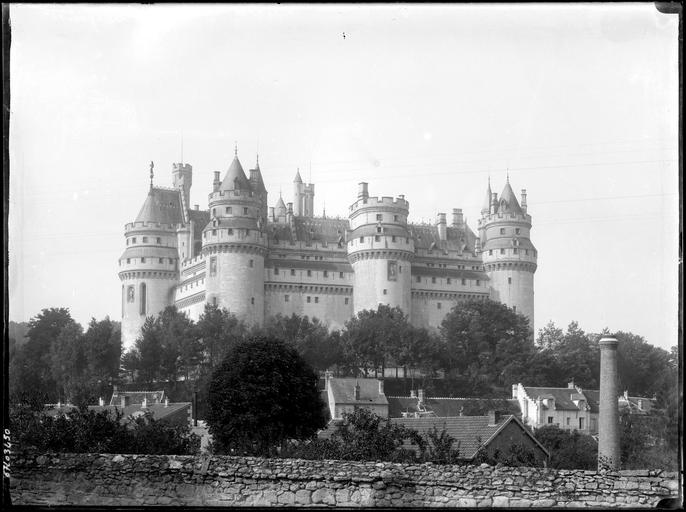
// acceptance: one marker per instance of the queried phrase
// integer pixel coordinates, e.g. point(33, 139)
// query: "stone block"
point(325, 496)
point(303, 497)
point(342, 496)
point(544, 503)
point(287, 498)
point(501, 501)
point(466, 502)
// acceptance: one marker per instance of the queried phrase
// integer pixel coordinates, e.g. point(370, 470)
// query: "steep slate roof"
point(509, 197)
point(451, 407)
point(562, 396)
point(458, 238)
point(161, 206)
point(317, 229)
point(469, 431)
point(136, 397)
point(343, 391)
point(235, 176)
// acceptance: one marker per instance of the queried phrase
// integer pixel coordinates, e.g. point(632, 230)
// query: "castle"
point(257, 261)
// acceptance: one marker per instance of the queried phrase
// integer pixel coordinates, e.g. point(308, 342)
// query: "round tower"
point(148, 268)
point(234, 245)
point(508, 255)
point(380, 250)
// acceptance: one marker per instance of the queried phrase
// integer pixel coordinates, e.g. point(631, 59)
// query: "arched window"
point(143, 297)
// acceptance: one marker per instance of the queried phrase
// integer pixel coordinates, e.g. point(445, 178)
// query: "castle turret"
point(182, 176)
point(148, 268)
point(235, 243)
point(380, 250)
point(298, 194)
point(509, 257)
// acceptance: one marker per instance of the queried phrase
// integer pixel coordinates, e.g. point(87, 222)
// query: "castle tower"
point(148, 268)
point(380, 250)
point(182, 176)
point(298, 194)
point(507, 253)
point(235, 244)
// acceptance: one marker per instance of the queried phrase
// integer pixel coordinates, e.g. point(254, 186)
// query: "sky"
point(577, 102)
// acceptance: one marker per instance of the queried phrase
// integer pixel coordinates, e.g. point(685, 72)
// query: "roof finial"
point(152, 166)
point(235, 148)
point(507, 174)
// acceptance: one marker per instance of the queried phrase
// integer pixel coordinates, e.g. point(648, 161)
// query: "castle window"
point(581, 423)
point(347, 300)
point(316, 300)
point(214, 301)
point(568, 421)
point(340, 274)
point(419, 279)
point(245, 210)
point(142, 297)
point(159, 241)
point(252, 300)
point(478, 282)
point(393, 239)
point(535, 253)
point(407, 240)
point(490, 252)
point(526, 252)
point(145, 239)
point(127, 241)
point(130, 294)
point(161, 260)
point(309, 299)
point(361, 239)
point(379, 216)
point(395, 218)
point(128, 260)
point(516, 231)
point(292, 271)
point(326, 273)
point(515, 250)
point(433, 280)
point(377, 238)
point(464, 281)
point(142, 260)
point(214, 212)
point(229, 231)
point(502, 251)
point(213, 266)
point(400, 269)
point(276, 271)
point(286, 298)
point(309, 273)
point(378, 229)
point(550, 420)
point(171, 261)
point(228, 210)
point(384, 292)
point(438, 306)
point(509, 280)
point(133, 240)
point(251, 263)
point(214, 232)
point(449, 281)
point(514, 308)
point(502, 231)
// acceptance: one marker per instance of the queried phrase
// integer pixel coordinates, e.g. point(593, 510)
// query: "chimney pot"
point(420, 394)
point(363, 192)
point(413, 394)
point(492, 418)
point(514, 390)
point(570, 384)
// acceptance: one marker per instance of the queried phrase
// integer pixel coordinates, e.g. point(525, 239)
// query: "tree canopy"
point(262, 395)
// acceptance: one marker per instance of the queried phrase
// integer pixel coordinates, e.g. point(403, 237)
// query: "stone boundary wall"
point(120, 480)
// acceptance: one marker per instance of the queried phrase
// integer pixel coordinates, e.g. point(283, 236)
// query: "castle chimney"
point(101, 402)
point(144, 405)
point(524, 200)
point(458, 218)
point(381, 387)
point(494, 201)
point(196, 207)
point(420, 395)
point(217, 182)
point(357, 391)
point(515, 388)
point(492, 419)
point(413, 394)
point(363, 193)
point(608, 420)
point(442, 227)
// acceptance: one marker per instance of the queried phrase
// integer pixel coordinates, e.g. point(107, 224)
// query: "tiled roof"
point(161, 206)
point(562, 396)
point(159, 411)
point(469, 431)
point(459, 238)
point(201, 219)
point(593, 399)
point(136, 397)
point(451, 407)
point(343, 391)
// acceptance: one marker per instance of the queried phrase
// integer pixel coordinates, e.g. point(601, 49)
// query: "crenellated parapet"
point(375, 254)
point(238, 248)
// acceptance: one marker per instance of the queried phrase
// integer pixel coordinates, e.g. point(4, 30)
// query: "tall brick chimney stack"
point(608, 421)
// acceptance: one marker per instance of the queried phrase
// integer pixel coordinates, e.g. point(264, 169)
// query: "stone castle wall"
point(120, 480)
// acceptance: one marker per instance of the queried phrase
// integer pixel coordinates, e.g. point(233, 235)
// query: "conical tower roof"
point(509, 197)
point(161, 206)
point(487, 200)
point(235, 177)
point(280, 204)
point(297, 178)
point(256, 178)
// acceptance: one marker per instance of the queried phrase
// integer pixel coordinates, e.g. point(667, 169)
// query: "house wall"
point(511, 435)
point(140, 480)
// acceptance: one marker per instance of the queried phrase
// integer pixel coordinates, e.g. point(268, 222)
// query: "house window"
point(145, 239)
point(276, 271)
point(292, 271)
point(286, 298)
point(316, 300)
point(245, 210)
point(438, 305)
point(449, 281)
point(569, 421)
point(509, 280)
point(378, 216)
point(214, 301)
point(228, 210)
point(581, 423)
point(251, 263)
point(309, 273)
point(142, 297)
point(326, 273)
point(550, 420)
point(309, 299)
point(346, 300)
point(502, 231)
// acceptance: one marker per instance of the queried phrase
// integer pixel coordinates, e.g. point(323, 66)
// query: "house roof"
point(159, 411)
point(235, 177)
point(469, 431)
point(508, 196)
point(343, 391)
point(136, 397)
point(562, 396)
point(161, 206)
point(451, 407)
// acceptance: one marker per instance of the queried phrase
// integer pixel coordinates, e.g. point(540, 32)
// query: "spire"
point(235, 177)
point(257, 161)
point(152, 166)
point(509, 197)
point(297, 178)
point(487, 201)
point(235, 148)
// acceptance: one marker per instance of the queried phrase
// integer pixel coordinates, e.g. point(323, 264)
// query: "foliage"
point(439, 447)
point(261, 395)
point(568, 449)
point(218, 332)
point(86, 431)
point(645, 443)
point(516, 455)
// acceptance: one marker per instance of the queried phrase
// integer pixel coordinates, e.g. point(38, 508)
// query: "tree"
point(68, 360)
point(102, 345)
point(487, 341)
point(218, 332)
point(261, 395)
point(149, 350)
point(568, 449)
